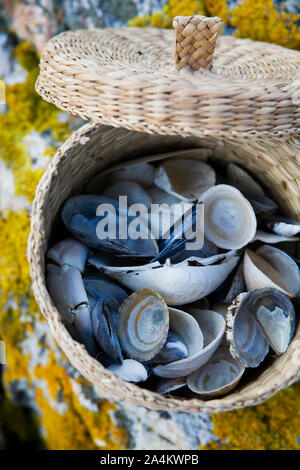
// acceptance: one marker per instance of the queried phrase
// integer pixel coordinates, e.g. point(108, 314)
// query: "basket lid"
point(127, 77)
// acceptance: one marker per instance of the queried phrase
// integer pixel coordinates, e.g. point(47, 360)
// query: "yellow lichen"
point(272, 426)
point(263, 21)
point(14, 269)
point(26, 112)
point(260, 20)
point(216, 8)
point(164, 18)
point(184, 8)
point(275, 424)
point(77, 428)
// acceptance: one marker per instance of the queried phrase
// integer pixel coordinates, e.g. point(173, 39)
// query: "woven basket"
point(95, 146)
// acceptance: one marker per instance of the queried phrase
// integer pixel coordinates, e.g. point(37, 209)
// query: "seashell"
point(174, 349)
point(283, 226)
point(105, 359)
point(71, 252)
point(101, 287)
point(239, 178)
point(105, 315)
point(135, 193)
point(139, 170)
point(237, 286)
point(79, 216)
point(105, 298)
point(202, 304)
point(167, 212)
point(212, 327)
point(220, 308)
point(229, 219)
point(231, 287)
point(272, 238)
point(67, 291)
point(130, 371)
point(180, 283)
point(73, 332)
point(158, 196)
point(170, 385)
point(261, 204)
point(185, 178)
point(143, 324)
point(275, 314)
point(209, 249)
point(82, 322)
point(271, 267)
point(184, 230)
point(218, 376)
point(247, 342)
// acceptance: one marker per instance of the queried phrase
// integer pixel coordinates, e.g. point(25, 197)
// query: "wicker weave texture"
point(127, 78)
point(196, 39)
point(94, 147)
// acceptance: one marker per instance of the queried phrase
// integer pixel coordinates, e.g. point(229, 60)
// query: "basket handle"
point(196, 38)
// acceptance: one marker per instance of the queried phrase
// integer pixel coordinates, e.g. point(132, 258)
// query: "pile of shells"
point(153, 309)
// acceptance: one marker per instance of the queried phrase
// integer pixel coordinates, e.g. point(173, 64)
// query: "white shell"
point(212, 326)
point(247, 342)
point(170, 385)
point(276, 317)
point(71, 252)
point(185, 178)
point(158, 196)
point(179, 284)
point(189, 331)
point(218, 376)
point(229, 219)
point(271, 267)
point(283, 226)
point(138, 170)
point(130, 371)
point(135, 193)
point(239, 177)
point(143, 324)
point(272, 238)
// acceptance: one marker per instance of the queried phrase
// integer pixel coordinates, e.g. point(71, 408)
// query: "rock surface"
point(45, 402)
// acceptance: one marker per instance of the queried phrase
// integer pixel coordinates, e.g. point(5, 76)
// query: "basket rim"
point(125, 77)
point(98, 375)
